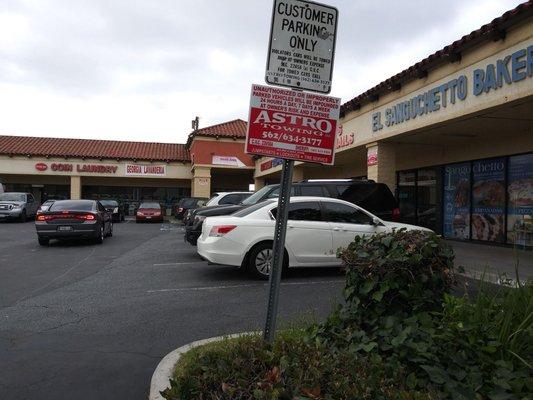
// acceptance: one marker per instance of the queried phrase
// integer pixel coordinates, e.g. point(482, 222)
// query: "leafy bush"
point(294, 368)
point(398, 309)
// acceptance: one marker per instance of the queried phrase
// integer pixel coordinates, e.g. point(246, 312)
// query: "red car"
point(149, 212)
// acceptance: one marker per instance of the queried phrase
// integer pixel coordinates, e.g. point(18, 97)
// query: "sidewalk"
point(494, 261)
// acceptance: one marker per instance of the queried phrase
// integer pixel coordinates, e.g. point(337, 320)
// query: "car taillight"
point(86, 217)
point(396, 214)
point(41, 217)
point(221, 230)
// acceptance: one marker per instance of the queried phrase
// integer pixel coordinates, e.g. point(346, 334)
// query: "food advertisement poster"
point(457, 201)
point(488, 200)
point(520, 209)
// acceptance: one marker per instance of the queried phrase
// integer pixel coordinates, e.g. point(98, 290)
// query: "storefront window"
point(407, 196)
point(488, 200)
point(428, 207)
point(457, 201)
point(520, 206)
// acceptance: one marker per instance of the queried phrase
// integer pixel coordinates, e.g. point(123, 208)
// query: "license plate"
point(148, 217)
point(64, 228)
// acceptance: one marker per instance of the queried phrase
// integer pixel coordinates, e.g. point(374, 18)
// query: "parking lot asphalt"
point(90, 321)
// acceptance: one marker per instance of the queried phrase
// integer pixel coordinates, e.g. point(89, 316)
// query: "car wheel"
point(23, 216)
point(100, 237)
point(43, 241)
point(259, 260)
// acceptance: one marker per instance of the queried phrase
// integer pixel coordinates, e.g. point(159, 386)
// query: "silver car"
point(19, 206)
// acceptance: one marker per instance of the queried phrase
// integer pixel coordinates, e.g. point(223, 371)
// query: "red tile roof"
point(494, 30)
point(87, 148)
point(233, 129)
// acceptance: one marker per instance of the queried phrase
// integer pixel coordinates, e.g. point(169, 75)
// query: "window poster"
point(457, 201)
point(488, 200)
point(520, 208)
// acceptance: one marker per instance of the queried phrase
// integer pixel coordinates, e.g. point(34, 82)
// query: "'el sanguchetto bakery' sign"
point(81, 168)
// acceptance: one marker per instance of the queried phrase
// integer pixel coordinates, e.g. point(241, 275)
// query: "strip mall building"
point(451, 136)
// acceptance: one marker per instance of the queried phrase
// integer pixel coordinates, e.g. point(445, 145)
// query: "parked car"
point(67, 219)
point(374, 197)
point(149, 212)
point(114, 207)
point(45, 206)
point(19, 206)
point(218, 199)
point(317, 227)
point(188, 203)
point(226, 198)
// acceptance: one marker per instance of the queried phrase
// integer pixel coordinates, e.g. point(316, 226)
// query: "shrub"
point(397, 308)
point(294, 368)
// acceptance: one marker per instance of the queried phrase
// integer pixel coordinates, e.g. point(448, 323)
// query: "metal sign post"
point(292, 124)
point(278, 248)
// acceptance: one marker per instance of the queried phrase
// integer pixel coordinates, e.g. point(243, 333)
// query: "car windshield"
point(12, 197)
point(248, 210)
point(257, 196)
point(111, 203)
point(72, 205)
point(212, 199)
point(150, 205)
point(187, 203)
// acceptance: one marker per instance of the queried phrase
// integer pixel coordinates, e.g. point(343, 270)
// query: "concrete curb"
point(163, 371)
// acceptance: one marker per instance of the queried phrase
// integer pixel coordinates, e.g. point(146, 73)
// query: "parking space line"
point(244, 285)
point(178, 263)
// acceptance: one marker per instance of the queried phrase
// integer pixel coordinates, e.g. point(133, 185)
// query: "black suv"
point(374, 197)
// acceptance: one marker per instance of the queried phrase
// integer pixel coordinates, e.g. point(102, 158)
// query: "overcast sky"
point(142, 70)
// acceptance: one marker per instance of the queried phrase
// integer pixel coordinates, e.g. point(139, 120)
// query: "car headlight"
point(140, 213)
point(16, 207)
point(115, 210)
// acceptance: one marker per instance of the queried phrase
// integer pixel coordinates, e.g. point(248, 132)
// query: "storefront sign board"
point(302, 45)
point(145, 170)
point(292, 125)
point(230, 161)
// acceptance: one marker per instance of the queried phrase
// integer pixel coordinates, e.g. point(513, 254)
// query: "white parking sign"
point(302, 45)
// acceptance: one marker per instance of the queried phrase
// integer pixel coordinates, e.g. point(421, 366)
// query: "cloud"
point(141, 70)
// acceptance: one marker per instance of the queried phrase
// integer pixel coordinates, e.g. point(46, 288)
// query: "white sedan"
point(317, 227)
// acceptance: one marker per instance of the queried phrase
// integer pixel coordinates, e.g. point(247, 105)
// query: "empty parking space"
point(86, 321)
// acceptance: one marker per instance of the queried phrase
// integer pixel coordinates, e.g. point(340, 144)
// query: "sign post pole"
point(278, 250)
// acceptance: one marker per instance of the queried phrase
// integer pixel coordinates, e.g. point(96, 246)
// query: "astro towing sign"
point(292, 124)
point(302, 45)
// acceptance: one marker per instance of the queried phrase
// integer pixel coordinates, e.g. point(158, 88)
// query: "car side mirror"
point(376, 222)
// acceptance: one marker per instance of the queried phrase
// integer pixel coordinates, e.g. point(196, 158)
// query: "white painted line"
point(178, 263)
point(201, 288)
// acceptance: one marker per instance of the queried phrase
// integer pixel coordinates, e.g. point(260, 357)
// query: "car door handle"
point(336, 229)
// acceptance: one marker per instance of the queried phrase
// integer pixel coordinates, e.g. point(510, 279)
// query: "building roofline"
point(70, 151)
point(199, 132)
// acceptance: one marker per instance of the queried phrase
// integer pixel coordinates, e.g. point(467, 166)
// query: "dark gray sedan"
point(67, 219)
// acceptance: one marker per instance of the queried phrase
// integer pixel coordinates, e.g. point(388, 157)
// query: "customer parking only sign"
point(293, 125)
point(302, 45)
